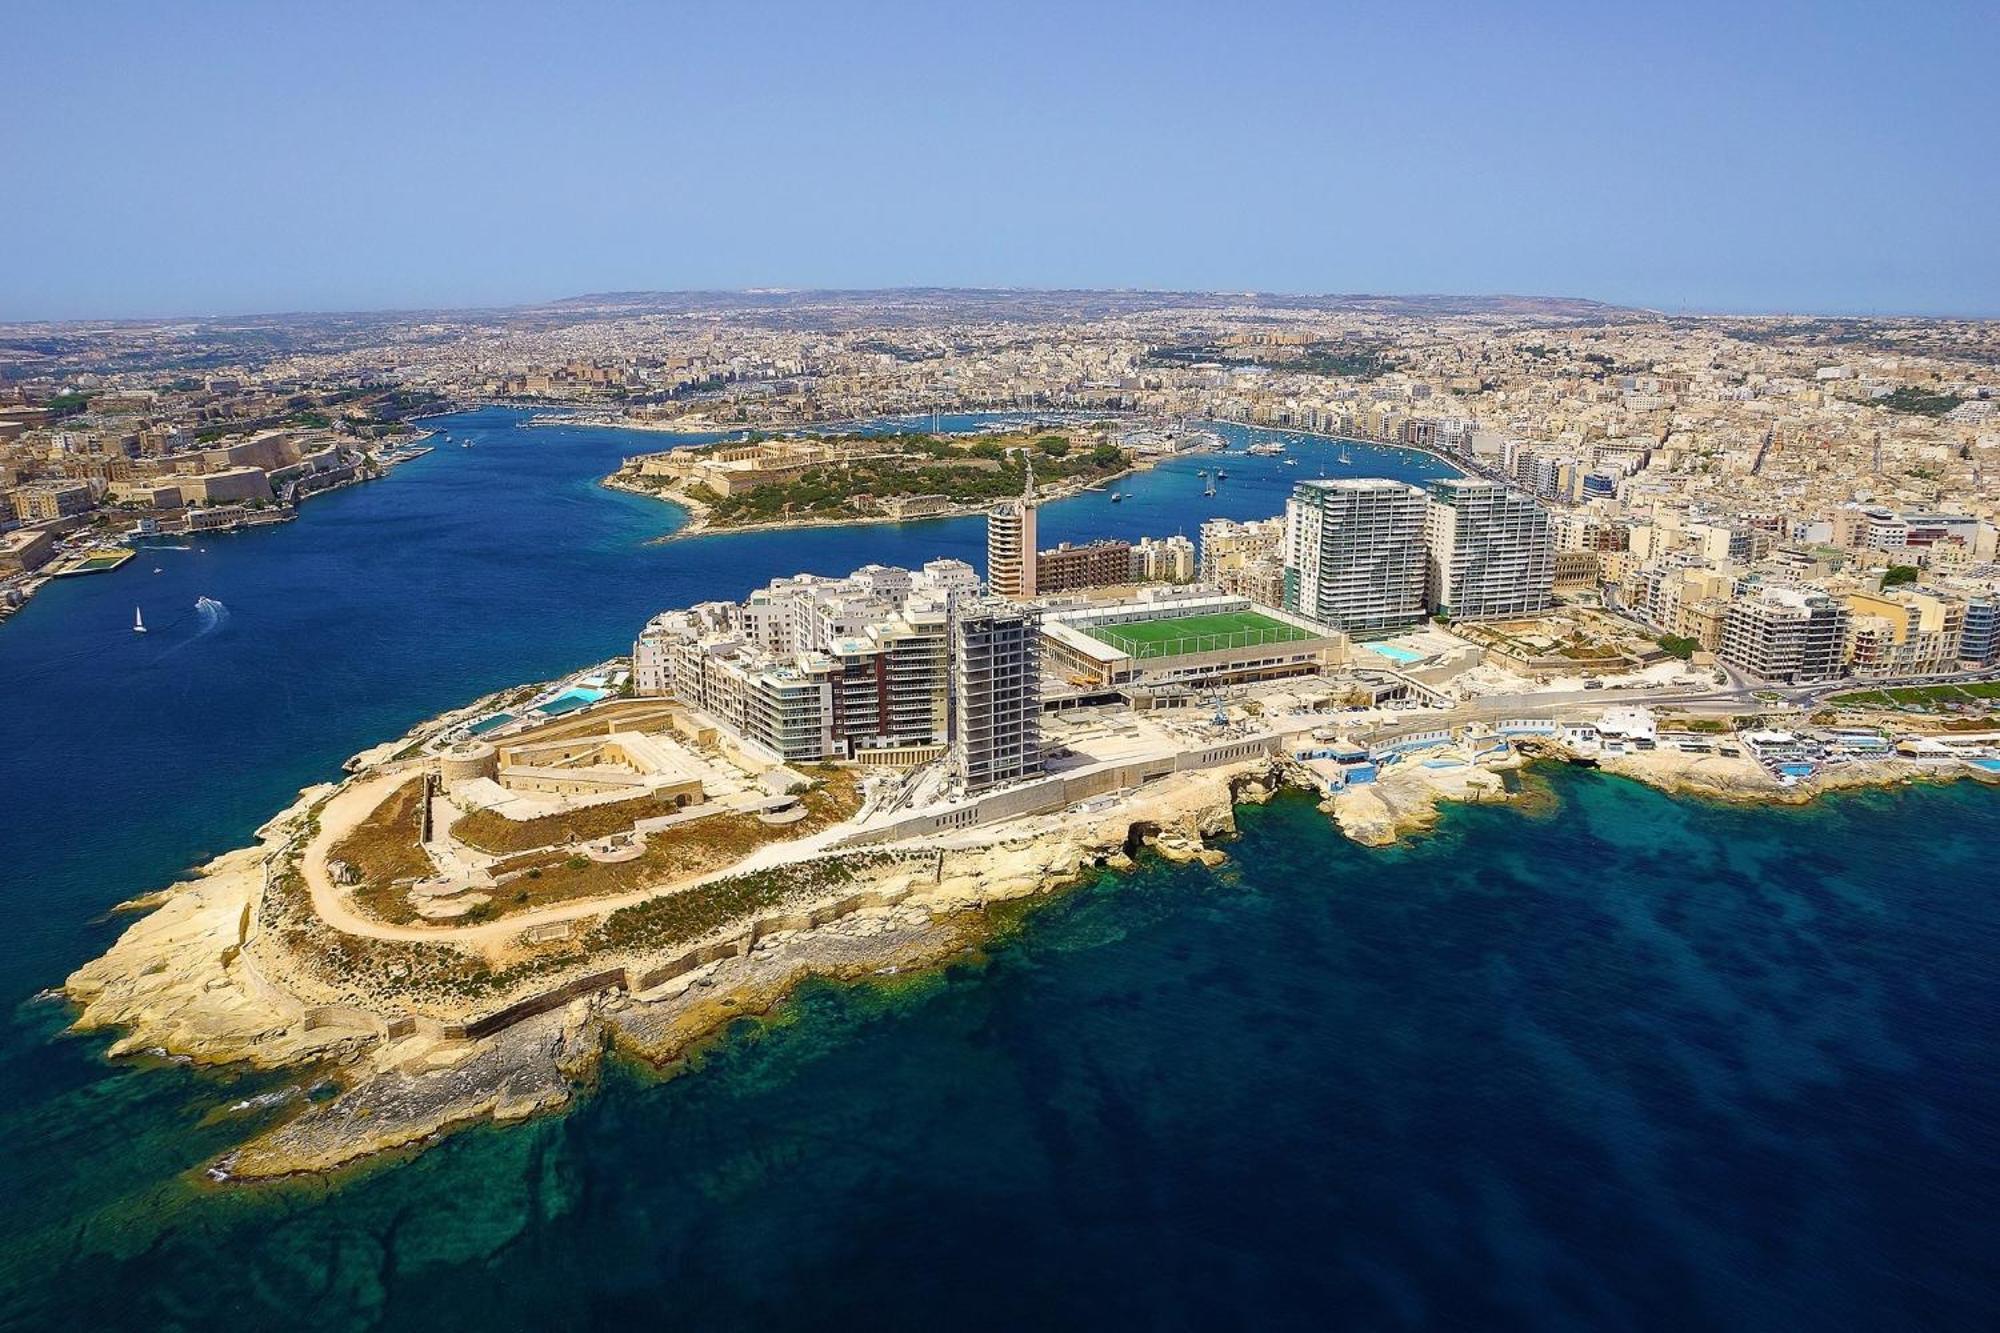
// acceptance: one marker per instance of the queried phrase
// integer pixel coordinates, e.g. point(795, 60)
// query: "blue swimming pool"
point(571, 699)
point(1796, 770)
point(1400, 656)
point(1990, 765)
point(486, 724)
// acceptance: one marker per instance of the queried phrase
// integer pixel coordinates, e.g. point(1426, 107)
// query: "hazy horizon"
point(218, 159)
point(543, 303)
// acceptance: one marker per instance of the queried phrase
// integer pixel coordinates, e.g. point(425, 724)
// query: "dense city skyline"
point(219, 159)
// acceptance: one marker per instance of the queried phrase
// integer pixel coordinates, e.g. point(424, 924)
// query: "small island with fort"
point(799, 481)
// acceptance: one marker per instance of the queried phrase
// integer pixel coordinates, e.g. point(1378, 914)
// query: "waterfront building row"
point(1371, 556)
point(885, 665)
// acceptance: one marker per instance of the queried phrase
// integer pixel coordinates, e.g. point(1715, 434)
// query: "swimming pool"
point(1990, 765)
point(1796, 770)
point(1400, 656)
point(571, 699)
point(486, 724)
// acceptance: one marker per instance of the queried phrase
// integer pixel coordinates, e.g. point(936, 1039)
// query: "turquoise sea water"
point(1608, 1061)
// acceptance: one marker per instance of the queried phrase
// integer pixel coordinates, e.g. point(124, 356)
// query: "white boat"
point(1291, 462)
point(138, 621)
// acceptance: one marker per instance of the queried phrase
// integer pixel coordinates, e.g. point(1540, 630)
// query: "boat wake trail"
point(210, 616)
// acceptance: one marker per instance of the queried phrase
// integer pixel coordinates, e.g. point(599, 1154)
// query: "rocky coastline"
point(222, 971)
point(225, 969)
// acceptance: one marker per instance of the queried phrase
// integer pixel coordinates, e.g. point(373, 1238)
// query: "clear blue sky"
point(192, 158)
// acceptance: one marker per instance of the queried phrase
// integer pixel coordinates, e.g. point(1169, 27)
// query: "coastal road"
point(1742, 698)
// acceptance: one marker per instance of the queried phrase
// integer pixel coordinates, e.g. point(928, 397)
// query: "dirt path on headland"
point(344, 813)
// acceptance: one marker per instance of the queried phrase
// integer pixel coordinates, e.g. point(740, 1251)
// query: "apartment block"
point(1905, 632)
point(1010, 544)
point(996, 693)
point(1489, 551)
point(1354, 555)
point(1163, 560)
point(1788, 634)
point(1067, 568)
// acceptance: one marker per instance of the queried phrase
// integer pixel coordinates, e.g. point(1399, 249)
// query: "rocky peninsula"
point(411, 1025)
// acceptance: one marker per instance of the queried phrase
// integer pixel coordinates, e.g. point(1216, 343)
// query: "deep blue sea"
point(1606, 1061)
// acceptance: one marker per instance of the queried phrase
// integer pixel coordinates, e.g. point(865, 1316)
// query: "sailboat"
point(138, 621)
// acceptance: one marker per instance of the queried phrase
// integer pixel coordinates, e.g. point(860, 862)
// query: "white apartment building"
point(1354, 555)
point(812, 667)
point(1489, 551)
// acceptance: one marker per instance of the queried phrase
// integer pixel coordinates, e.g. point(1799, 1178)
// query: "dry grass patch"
point(681, 852)
point(501, 836)
point(384, 849)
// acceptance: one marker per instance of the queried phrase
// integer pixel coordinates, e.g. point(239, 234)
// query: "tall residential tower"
point(1354, 554)
point(996, 695)
point(1010, 541)
point(1490, 554)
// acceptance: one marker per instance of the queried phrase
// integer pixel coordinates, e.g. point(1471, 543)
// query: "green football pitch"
point(1183, 635)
